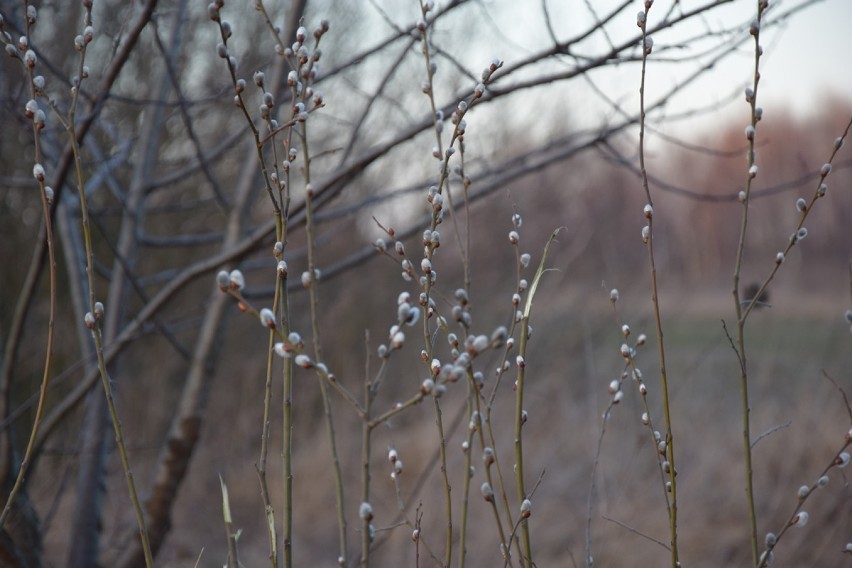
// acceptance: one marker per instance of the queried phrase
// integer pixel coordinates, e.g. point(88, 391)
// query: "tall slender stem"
point(671, 487)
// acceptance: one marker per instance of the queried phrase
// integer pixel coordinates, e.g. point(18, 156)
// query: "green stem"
point(741, 316)
point(671, 502)
point(519, 448)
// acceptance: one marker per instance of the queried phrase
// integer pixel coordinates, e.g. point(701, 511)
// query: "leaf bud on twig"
point(754, 27)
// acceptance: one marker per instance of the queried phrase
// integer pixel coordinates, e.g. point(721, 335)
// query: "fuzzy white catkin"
point(238, 281)
point(281, 351)
point(267, 318)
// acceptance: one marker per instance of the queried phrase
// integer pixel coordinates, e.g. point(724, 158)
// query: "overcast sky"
point(806, 59)
point(814, 55)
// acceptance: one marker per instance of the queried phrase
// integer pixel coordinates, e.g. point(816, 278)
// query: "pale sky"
point(814, 54)
point(805, 60)
point(810, 56)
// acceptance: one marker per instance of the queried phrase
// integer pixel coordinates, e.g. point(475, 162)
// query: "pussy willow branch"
point(519, 451)
point(24, 303)
point(817, 194)
point(315, 326)
point(671, 503)
point(738, 306)
point(429, 251)
point(98, 339)
point(45, 380)
point(765, 558)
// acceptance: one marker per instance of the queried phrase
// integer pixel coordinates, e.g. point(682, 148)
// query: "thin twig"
point(637, 532)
